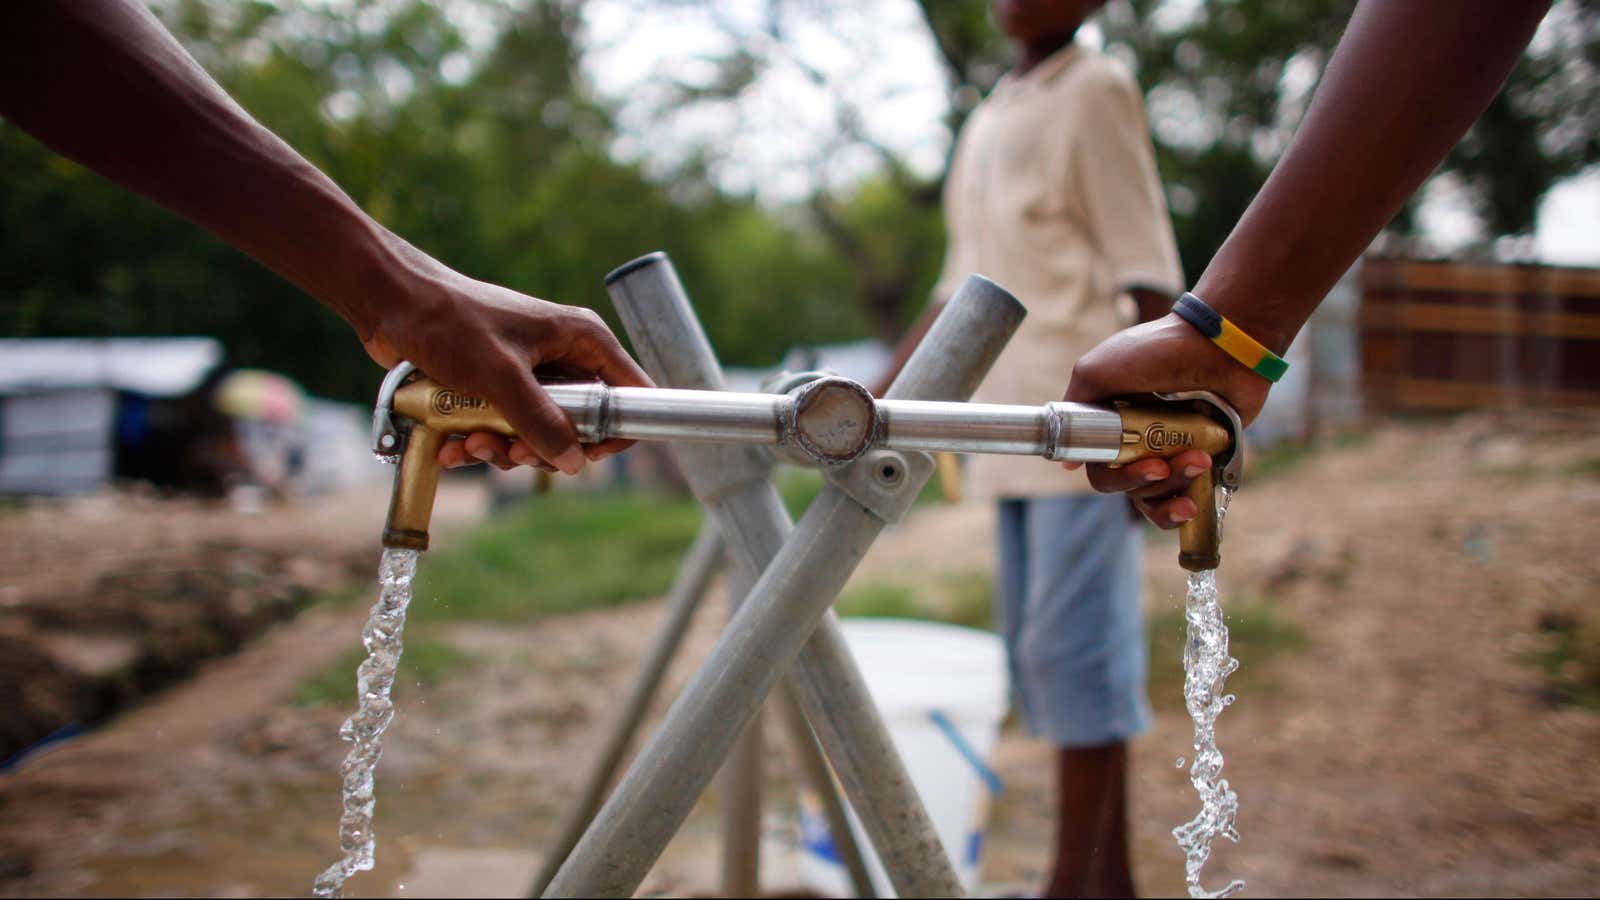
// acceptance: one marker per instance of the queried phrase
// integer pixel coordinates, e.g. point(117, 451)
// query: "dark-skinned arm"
point(102, 82)
point(1406, 82)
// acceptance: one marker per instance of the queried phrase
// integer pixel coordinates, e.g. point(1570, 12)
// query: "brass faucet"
point(428, 414)
point(1197, 420)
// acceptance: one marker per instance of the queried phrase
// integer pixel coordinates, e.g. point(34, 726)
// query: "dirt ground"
point(1406, 748)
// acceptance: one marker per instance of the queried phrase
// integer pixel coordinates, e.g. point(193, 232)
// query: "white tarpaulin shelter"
point(156, 367)
point(59, 402)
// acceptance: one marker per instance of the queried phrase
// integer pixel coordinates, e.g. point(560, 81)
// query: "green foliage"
point(880, 600)
point(799, 487)
point(1545, 126)
point(960, 598)
point(973, 53)
point(1588, 466)
point(494, 160)
point(1221, 70)
point(495, 157)
point(555, 553)
point(424, 663)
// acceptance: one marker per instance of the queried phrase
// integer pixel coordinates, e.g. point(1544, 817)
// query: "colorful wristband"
point(1242, 347)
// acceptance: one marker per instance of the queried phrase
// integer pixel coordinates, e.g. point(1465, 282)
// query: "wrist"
point(389, 280)
point(1267, 316)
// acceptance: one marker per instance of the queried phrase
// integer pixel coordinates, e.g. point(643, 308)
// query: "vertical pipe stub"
point(634, 264)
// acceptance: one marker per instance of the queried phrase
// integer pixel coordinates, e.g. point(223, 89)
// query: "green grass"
point(1258, 630)
point(799, 487)
point(1588, 467)
point(557, 553)
point(423, 664)
point(1568, 653)
point(962, 598)
point(880, 600)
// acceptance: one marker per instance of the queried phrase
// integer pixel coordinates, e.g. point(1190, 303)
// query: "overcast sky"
point(875, 56)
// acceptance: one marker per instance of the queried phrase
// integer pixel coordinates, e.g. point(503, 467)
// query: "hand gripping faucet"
point(825, 419)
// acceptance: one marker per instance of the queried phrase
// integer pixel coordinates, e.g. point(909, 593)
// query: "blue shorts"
point(1068, 590)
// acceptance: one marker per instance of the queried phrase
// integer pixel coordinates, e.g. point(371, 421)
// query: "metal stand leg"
point(704, 558)
point(741, 789)
point(789, 601)
point(815, 770)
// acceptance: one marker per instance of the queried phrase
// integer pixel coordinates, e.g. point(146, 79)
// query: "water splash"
point(1206, 666)
point(375, 711)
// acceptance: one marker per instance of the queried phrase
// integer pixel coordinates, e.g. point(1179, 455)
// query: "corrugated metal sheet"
point(59, 442)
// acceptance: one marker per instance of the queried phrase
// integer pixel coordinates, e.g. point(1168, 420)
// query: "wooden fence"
point(1452, 336)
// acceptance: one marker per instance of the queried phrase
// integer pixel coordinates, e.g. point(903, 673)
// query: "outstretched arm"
point(102, 82)
point(1406, 82)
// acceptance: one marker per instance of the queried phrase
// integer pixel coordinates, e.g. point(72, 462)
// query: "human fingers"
point(490, 448)
point(1168, 512)
point(523, 455)
point(606, 448)
point(591, 348)
point(537, 420)
point(452, 455)
point(1130, 477)
point(1156, 486)
point(1182, 469)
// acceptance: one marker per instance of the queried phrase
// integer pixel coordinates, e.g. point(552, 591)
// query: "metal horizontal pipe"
point(666, 414)
point(1076, 432)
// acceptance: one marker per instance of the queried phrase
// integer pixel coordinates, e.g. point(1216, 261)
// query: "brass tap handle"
point(434, 413)
point(1183, 422)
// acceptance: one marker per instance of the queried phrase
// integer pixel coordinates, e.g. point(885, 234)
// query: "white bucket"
point(942, 690)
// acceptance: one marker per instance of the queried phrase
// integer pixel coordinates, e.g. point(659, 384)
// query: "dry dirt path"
point(1404, 749)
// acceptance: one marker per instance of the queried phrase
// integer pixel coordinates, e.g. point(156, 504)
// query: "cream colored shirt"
point(1053, 193)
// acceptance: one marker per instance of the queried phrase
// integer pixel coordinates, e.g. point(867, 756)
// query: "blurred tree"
point(881, 237)
point(466, 126)
point(1227, 83)
point(1544, 127)
point(488, 153)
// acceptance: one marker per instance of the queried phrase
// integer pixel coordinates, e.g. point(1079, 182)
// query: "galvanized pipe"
point(704, 558)
point(1076, 432)
point(814, 770)
point(789, 601)
point(741, 787)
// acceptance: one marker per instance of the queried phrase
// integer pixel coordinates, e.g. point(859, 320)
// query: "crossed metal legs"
point(786, 620)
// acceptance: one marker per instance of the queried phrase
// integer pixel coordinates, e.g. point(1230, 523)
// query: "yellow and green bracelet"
point(1226, 335)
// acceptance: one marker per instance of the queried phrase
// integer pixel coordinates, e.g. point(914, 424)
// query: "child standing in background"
point(1053, 193)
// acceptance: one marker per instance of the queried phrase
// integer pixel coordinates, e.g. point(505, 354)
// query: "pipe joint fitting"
point(833, 419)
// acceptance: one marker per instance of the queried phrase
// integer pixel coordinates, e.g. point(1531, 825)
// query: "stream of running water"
point(1206, 666)
point(374, 678)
